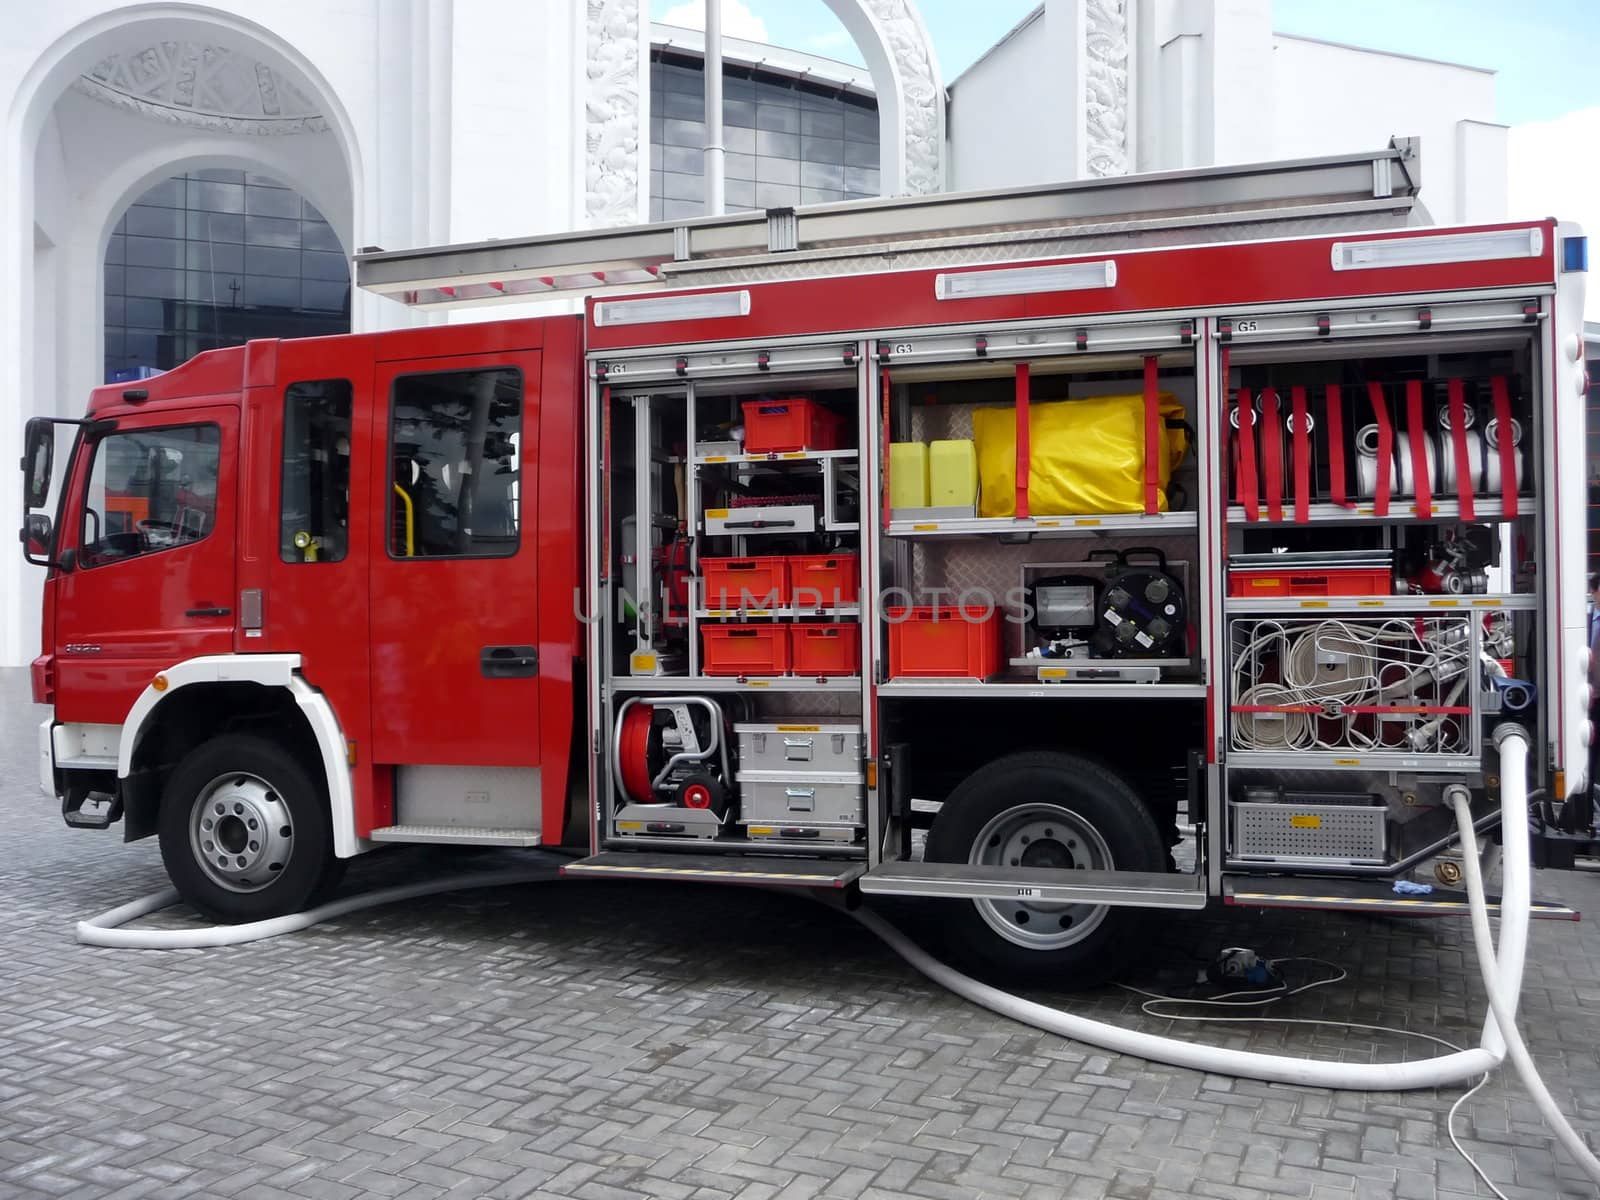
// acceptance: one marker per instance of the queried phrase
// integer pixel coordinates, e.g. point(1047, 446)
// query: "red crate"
point(745, 649)
point(829, 580)
point(761, 582)
point(947, 641)
point(1328, 581)
point(826, 649)
point(777, 426)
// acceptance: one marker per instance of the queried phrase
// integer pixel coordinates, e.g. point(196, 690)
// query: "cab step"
point(455, 835)
point(1139, 889)
point(1364, 895)
point(765, 871)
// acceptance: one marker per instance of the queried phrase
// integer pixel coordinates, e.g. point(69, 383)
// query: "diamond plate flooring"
point(612, 1040)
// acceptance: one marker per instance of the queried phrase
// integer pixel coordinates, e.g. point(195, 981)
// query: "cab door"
point(150, 576)
point(454, 568)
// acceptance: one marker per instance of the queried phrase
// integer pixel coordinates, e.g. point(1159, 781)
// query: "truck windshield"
point(149, 489)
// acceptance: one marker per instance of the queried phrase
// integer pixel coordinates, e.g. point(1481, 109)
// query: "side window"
point(149, 490)
point(314, 518)
point(454, 442)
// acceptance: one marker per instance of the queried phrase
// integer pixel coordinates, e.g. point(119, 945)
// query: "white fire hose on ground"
point(1502, 973)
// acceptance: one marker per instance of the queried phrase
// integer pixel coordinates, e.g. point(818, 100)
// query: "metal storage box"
point(758, 519)
point(1328, 833)
point(833, 750)
point(796, 800)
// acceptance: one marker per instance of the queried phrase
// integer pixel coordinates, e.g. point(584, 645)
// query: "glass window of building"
point(214, 258)
point(789, 141)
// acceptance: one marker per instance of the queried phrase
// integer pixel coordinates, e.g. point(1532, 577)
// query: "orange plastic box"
point(779, 426)
point(745, 649)
point(1321, 581)
point(947, 642)
point(761, 582)
point(828, 580)
point(826, 649)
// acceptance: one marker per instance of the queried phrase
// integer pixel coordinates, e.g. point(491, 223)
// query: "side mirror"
point(38, 459)
point(36, 535)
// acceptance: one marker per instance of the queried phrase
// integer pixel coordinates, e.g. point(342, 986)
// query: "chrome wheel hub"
point(240, 832)
point(1046, 837)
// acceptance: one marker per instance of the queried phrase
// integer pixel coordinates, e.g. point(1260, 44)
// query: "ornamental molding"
point(921, 94)
point(203, 86)
point(1106, 86)
point(614, 141)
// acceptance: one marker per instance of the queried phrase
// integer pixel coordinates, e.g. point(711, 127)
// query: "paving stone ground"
point(607, 1041)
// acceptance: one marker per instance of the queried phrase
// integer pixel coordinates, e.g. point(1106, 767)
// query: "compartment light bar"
point(1022, 281)
point(1438, 249)
point(672, 308)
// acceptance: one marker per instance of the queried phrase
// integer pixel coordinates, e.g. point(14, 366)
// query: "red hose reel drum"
point(633, 750)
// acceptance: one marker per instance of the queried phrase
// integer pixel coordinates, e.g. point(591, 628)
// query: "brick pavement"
point(607, 1041)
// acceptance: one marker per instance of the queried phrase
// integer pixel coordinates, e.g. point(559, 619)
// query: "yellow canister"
point(908, 475)
point(952, 473)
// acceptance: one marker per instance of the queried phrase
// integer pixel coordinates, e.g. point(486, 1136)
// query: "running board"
point(1134, 889)
point(1365, 895)
point(455, 835)
point(717, 868)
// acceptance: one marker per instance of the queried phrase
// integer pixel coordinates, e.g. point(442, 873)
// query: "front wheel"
point(1045, 811)
point(245, 830)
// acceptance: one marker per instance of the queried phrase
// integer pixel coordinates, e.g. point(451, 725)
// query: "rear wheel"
point(245, 830)
point(1045, 811)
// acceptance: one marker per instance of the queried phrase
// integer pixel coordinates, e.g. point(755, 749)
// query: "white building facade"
point(413, 122)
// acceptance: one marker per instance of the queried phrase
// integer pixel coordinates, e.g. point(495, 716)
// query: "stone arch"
point(890, 35)
point(47, 361)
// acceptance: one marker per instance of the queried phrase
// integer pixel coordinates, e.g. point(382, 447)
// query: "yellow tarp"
point(1084, 456)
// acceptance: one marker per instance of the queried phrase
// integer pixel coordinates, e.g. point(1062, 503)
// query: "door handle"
point(509, 662)
point(207, 612)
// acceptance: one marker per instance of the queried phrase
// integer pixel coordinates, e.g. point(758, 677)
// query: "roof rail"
point(1299, 196)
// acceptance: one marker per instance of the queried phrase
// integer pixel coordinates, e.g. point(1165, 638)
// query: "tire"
point(1046, 810)
point(245, 831)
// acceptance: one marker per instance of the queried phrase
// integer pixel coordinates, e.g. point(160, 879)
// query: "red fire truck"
point(1056, 556)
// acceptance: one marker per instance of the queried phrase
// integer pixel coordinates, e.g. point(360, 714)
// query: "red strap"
point(1271, 454)
point(1422, 485)
point(1458, 438)
point(1022, 439)
point(1336, 487)
point(1508, 452)
point(1302, 456)
point(1152, 438)
point(1380, 411)
point(1247, 457)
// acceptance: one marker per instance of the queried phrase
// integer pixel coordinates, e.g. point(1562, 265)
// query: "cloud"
point(1550, 174)
point(737, 20)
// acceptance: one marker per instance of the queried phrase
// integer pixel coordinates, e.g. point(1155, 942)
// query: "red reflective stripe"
point(1302, 456)
point(1022, 439)
point(1247, 457)
point(1380, 411)
point(1458, 439)
point(1422, 486)
point(1152, 438)
point(1336, 486)
point(1508, 452)
point(1271, 454)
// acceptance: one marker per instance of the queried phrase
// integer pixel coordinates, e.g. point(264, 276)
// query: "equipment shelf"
point(732, 683)
point(1376, 760)
point(1031, 689)
point(1486, 508)
point(1354, 604)
point(849, 610)
point(773, 459)
point(1045, 527)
